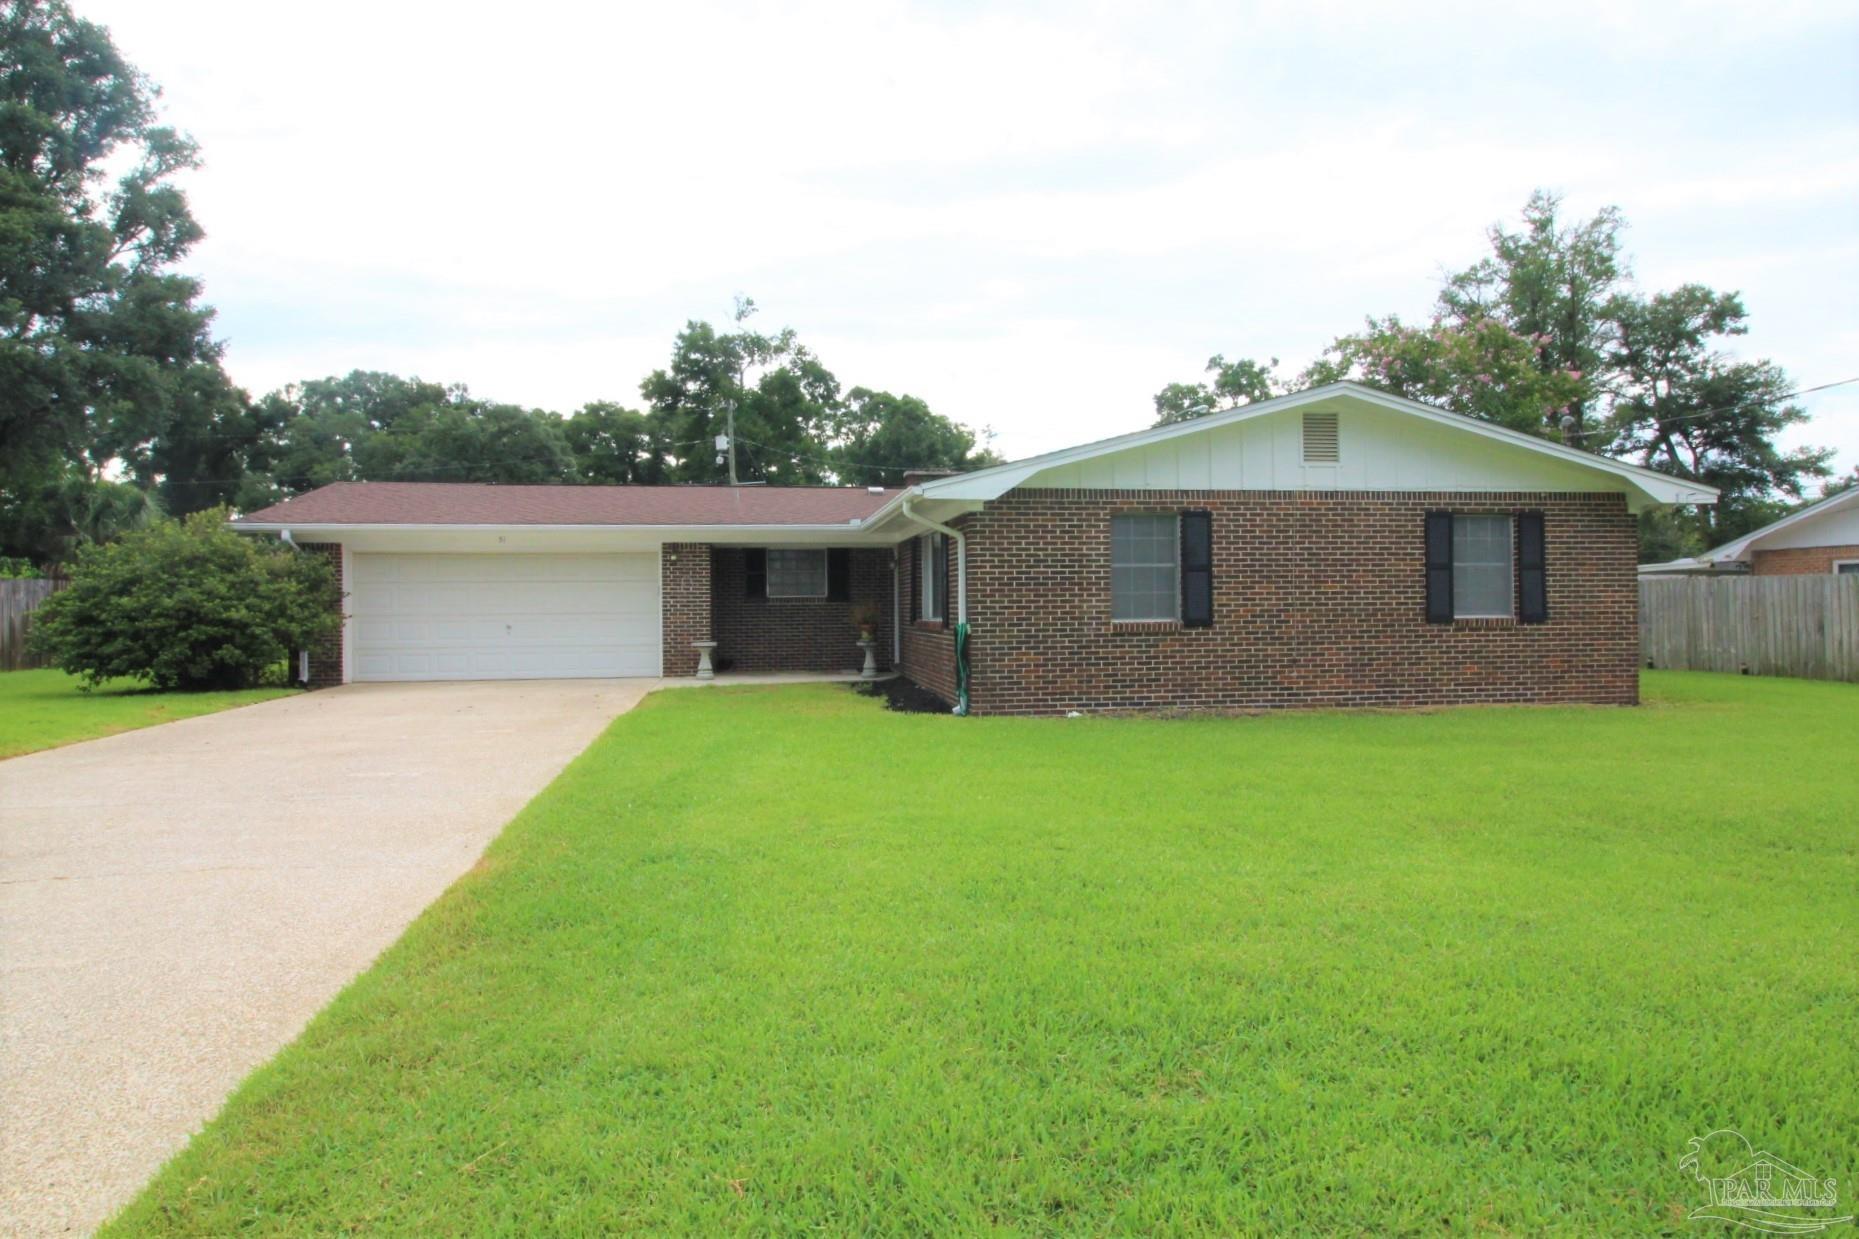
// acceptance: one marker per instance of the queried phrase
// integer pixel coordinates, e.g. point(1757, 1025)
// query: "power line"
point(831, 463)
point(1731, 408)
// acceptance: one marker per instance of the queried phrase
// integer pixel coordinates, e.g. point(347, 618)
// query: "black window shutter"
point(1532, 581)
point(1439, 567)
point(1197, 569)
point(942, 578)
point(916, 579)
point(839, 573)
point(755, 574)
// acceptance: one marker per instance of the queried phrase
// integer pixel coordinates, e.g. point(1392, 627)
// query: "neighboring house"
point(1818, 540)
point(1336, 547)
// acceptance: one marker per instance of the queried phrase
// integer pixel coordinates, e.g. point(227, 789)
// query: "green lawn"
point(778, 960)
point(44, 709)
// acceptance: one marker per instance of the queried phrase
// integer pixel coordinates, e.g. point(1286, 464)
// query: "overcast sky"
point(1033, 217)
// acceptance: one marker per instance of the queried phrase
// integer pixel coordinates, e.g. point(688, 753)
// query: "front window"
point(1847, 567)
point(933, 583)
point(1481, 567)
point(1145, 560)
point(796, 574)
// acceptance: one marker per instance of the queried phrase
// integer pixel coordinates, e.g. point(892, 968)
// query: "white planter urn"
point(870, 670)
point(704, 670)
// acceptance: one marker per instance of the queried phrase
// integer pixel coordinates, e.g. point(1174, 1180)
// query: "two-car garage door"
point(504, 617)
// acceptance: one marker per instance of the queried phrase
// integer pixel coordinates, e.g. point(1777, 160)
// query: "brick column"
point(684, 592)
point(326, 654)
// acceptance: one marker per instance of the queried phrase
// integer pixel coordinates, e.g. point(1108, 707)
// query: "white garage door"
point(504, 617)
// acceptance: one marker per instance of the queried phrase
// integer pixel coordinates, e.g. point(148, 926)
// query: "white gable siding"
point(1837, 528)
point(1381, 450)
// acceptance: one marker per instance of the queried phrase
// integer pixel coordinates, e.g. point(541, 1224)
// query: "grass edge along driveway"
point(45, 709)
point(778, 960)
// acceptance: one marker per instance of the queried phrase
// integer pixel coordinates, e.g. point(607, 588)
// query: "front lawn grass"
point(44, 709)
point(776, 960)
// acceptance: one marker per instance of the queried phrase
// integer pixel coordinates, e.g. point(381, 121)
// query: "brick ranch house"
point(1821, 539)
point(1335, 547)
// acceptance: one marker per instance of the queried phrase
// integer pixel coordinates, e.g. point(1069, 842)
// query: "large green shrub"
point(187, 605)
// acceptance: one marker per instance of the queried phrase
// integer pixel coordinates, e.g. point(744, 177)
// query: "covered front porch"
point(773, 610)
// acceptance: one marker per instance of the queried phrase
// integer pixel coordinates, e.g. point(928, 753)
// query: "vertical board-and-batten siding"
point(19, 598)
point(1377, 449)
point(1804, 626)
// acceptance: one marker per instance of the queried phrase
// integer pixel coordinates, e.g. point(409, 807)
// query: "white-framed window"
point(1846, 567)
point(1483, 576)
point(1145, 567)
point(796, 574)
point(932, 577)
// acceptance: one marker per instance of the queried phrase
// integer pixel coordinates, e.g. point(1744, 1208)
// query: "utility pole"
point(731, 431)
point(744, 307)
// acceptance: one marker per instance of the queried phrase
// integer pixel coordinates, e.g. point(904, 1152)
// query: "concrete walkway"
point(175, 903)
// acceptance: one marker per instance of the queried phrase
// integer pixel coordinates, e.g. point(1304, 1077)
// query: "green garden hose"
point(961, 669)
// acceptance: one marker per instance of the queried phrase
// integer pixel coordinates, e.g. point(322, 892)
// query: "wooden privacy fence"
point(1765, 625)
point(18, 600)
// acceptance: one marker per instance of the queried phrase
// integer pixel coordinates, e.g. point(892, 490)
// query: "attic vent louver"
point(1321, 443)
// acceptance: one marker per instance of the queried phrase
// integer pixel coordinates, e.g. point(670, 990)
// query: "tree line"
point(794, 425)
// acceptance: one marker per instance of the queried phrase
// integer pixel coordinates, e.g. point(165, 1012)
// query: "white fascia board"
point(892, 507)
point(852, 532)
point(1737, 551)
point(1685, 567)
point(1660, 488)
point(936, 507)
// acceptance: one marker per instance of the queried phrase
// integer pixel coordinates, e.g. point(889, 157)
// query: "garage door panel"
point(505, 569)
point(420, 634)
point(549, 663)
point(426, 617)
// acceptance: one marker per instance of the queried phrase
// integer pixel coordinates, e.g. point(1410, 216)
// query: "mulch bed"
point(906, 698)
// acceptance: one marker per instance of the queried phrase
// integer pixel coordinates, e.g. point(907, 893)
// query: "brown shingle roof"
point(480, 503)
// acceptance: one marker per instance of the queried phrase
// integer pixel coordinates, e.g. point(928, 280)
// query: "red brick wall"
point(928, 648)
point(684, 602)
point(326, 654)
point(1319, 600)
point(798, 634)
point(1800, 560)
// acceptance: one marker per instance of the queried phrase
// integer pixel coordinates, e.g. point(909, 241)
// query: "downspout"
point(961, 600)
point(303, 656)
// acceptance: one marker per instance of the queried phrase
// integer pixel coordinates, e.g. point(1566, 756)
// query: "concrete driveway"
point(175, 903)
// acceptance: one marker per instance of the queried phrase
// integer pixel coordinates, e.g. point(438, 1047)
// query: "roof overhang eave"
point(1675, 492)
point(851, 532)
point(1739, 550)
point(1654, 489)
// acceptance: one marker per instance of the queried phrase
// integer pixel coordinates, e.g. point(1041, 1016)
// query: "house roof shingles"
point(482, 503)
